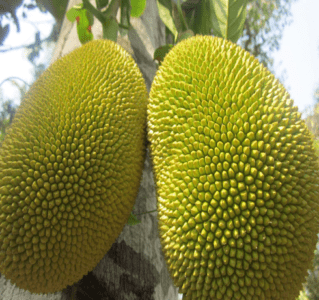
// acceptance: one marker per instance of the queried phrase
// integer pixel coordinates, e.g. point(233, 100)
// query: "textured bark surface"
point(134, 267)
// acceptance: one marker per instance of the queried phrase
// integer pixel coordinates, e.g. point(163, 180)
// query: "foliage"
point(8, 109)
point(316, 146)
point(312, 119)
point(56, 8)
point(311, 116)
point(260, 31)
point(83, 12)
point(225, 18)
point(316, 94)
point(6, 116)
point(303, 295)
point(8, 10)
point(312, 284)
point(84, 21)
point(137, 7)
point(264, 26)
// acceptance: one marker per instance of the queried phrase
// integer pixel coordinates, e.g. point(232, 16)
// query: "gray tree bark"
point(134, 267)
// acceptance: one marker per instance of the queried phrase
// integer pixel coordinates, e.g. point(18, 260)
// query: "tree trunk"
point(134, 267)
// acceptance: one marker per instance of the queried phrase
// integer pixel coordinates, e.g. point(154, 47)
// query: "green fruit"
point(236, 174)
point(70, 167)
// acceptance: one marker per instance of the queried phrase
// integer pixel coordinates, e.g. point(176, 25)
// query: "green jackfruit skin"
point(70, 167)
point(236, 175)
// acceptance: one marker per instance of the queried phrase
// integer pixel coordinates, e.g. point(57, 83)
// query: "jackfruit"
point(70, 167)
point(236, 175)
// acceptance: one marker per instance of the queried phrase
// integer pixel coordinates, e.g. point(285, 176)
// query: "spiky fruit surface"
point(70, 167)
point(236, 174)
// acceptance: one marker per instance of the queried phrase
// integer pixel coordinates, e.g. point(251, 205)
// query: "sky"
point(297, 58)
point(15, 63)
point(299, 53)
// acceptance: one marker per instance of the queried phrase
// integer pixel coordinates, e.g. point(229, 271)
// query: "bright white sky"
point(298, 55)
point(15, 63)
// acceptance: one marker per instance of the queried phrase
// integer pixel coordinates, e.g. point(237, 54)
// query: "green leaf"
point(138, 7)
point(177, 15)
point(84, 33)
point(199, 16)
point(84, 22)
point(110, 29)
point(125, 16)
point(161, 52)
point(74, 12)
point(228, 18)
point(165, 10)
point(204, 18)
point(132, 220)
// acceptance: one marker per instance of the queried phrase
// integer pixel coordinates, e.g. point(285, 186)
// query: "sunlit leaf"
point(72, 14)
point(165, 13)
point(137, 8)
point(203, 21)
point(228, 18)
point(178, 18)
point(84, 35)
point(84, 21)
point(198, 14)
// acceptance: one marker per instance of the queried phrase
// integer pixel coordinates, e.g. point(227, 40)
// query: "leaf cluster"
point(105, 11)
point(312, 120)
point(182, 19)
point(312, 284)
point(8, 9)
point(6, 116)
point(264, 26)
point(56, 8)
point(8, 12)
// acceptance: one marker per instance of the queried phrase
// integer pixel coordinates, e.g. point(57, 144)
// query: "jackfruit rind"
point(70, 167)
point(236, 175)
